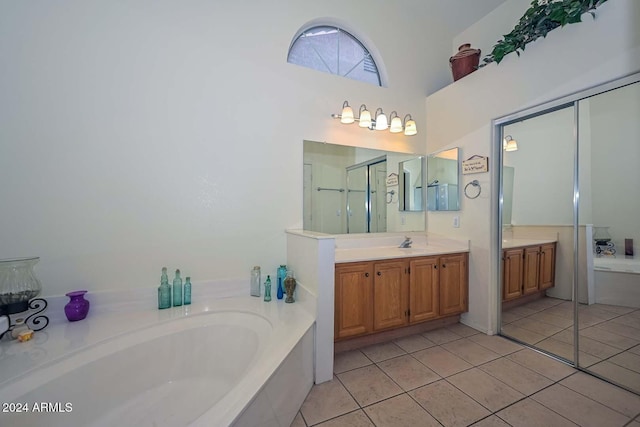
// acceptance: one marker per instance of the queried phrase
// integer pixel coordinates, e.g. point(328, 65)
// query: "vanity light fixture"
point(409, 126)
point(509, 144)
point(396, 123)
point(380, 122)
point(347, 114)
point(365, 117)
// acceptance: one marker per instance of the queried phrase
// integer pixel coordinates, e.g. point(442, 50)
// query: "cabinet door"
point(390, 294)
point(423, 289)
point(530, 275)
point(453, 284)
point(353, 295)
point(512, 274)
point(547, 266)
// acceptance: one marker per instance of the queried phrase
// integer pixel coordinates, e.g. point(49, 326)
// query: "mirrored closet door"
point(570, 227)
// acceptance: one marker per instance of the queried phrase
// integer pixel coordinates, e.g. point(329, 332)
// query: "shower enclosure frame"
point(367, 202)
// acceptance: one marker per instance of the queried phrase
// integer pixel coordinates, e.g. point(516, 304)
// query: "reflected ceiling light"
point(347, 114)
point(396, 123)
point(365, 117)
point(509, 144)
point(409, 125)
point(380, 122)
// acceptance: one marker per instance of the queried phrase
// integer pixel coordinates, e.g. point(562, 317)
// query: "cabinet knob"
point(444, 265)
point(435, 266)
point(366, 274)
point(379, 273)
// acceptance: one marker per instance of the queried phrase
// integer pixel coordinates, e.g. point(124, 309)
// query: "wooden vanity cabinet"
point(547, 266)
point(424, 289)
point(379, 295)
point(390, 294)
point(528, 270)
point(353, 299)
point(531, 270)
point(512, 273)
point(453, 284)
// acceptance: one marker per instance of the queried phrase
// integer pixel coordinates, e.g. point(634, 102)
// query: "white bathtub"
point(617, 281)
point(233, 361)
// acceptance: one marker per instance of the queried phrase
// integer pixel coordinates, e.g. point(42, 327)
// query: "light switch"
point(456, 221)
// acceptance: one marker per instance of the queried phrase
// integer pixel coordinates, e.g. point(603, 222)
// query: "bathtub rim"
point(289, 323)
point(616, 265)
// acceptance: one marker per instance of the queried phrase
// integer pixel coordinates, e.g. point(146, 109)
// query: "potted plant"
point(541, 17)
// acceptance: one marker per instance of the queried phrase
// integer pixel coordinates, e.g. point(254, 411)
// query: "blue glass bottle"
point(267, 289)
point(177, 290)
point(187, 291)
point(282, 274)
point(164, 291)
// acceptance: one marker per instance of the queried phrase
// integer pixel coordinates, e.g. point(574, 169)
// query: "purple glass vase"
point(78, 307)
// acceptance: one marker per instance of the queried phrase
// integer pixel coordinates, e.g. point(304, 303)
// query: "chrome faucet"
point(407, 243)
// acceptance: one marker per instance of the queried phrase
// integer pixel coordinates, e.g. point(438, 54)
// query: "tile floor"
point(609, 335)
point(457, 376)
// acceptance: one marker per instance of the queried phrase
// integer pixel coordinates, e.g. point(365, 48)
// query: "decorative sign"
point(475, 164)
point(392, 179)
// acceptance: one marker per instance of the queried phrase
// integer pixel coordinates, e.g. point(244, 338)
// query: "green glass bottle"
point(177, 290)
point(187, 291)
point(267, 289)
point(164, 291)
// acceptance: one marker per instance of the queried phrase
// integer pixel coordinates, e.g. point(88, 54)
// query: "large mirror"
point(443, 176)
point(355, 190)
point(538, 216)
point(410, 186)
point(568, 258)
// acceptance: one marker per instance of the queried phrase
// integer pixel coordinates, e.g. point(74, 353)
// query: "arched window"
point(333, 50)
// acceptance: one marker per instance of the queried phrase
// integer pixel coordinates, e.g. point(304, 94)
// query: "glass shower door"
point(357, 203)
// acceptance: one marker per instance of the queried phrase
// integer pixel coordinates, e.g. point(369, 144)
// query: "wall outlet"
point(403, 220)
point(456, 221)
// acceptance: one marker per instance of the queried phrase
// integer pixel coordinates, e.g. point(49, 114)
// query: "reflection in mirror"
point(410, 174)
point(610, 271)
point(594, 265)
point(366, 212)
point(443, 174)
point(353, 190)
point(537, 208)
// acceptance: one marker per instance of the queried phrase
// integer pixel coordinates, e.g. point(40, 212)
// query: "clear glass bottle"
point(177, 290)
point(267, 289)
point(164, 291)
point(255, 281)
point(187, 291)
point(282, 273)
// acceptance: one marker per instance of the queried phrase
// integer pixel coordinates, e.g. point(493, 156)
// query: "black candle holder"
point(35, 321)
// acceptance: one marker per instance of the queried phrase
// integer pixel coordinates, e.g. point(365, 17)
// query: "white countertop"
point(516, 243)
point(441, 247)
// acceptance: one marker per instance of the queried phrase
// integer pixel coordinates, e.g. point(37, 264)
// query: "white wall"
point(615, 131)
point(461, 114)
point(543, 169)
point(139, 134)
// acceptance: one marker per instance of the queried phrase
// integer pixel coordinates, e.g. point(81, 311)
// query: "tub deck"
point(57, 353)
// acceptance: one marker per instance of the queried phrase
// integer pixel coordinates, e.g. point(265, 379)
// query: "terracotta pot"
point(464, 62)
